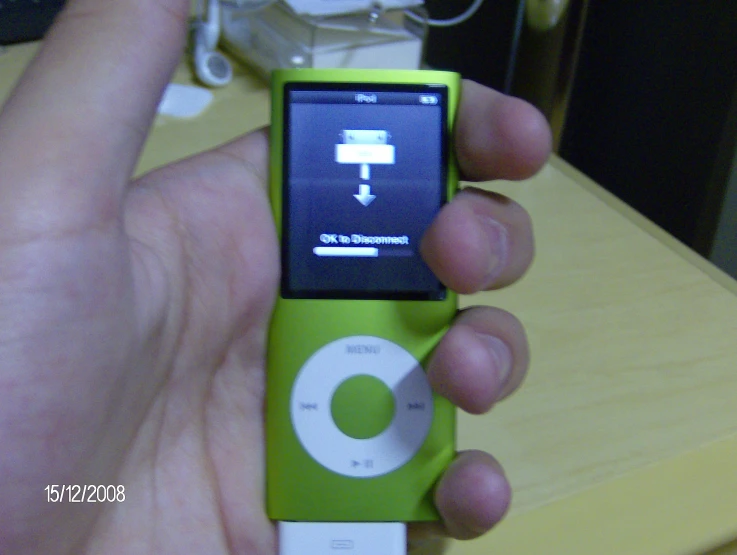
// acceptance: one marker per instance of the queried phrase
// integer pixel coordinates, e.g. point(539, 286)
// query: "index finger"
point(498, 136)
point(81, 112)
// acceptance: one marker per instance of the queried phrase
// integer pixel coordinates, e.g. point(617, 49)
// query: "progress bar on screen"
point(346, 251)
point(363, 252)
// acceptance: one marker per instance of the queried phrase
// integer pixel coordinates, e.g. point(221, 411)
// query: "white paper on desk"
point(337, 7)
point(184, 101)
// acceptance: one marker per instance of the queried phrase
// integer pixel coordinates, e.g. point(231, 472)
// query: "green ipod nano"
point(361, 162)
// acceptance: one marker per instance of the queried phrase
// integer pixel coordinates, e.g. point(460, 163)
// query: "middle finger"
point(479, 241)
point(482, 359)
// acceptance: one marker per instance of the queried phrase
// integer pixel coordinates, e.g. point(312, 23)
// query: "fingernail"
point(502, 356)
point(498, 246)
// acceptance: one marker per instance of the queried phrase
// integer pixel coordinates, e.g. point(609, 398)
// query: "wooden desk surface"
point(623, 440)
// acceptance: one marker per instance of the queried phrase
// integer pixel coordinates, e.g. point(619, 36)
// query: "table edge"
point(647, 225)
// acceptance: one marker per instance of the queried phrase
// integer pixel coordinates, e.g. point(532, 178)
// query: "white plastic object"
point(184, 101)
point(277, 37)
point(354, 538)
point(340, 7)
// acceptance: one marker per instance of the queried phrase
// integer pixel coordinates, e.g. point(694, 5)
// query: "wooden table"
point(623, 439)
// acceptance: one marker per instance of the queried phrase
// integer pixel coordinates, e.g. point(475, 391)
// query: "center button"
point(362, 406)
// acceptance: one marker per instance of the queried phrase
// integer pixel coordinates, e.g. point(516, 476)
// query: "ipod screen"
point(365, 173)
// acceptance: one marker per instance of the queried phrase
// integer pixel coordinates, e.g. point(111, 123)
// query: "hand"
point(133, 314)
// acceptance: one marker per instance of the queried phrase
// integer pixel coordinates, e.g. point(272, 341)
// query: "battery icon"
point(429, 99)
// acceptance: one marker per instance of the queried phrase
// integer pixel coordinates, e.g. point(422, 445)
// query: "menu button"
point(362, 349)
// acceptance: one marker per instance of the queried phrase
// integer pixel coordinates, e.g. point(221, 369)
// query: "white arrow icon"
point(364, 195)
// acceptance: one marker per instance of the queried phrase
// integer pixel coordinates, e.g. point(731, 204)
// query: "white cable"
point(465, 16)
point(211, 67)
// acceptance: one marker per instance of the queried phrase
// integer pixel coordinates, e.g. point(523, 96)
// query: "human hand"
point(133, 314)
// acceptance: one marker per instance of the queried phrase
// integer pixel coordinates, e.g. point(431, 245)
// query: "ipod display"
point(360, 165)
point(365, 173)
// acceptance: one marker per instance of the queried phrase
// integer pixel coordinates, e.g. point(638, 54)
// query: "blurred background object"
point(652, 113)
point(642, 97)
point(284, 35)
